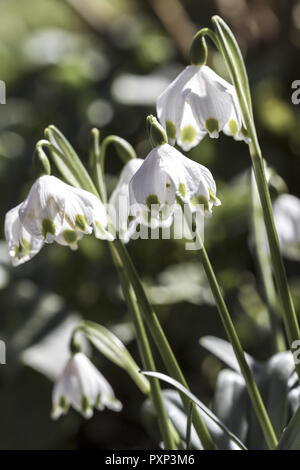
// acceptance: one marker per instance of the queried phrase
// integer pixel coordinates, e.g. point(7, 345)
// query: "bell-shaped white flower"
point(167, 177)
point(287, 221)
point(21, 244)
point(54, 210)
point(119, 205)
point(197, 102)
point(83, 387)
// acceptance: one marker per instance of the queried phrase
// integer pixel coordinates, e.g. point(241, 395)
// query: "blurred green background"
point(102, 63)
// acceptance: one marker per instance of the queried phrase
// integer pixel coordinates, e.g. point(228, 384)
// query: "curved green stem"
point(161, 341)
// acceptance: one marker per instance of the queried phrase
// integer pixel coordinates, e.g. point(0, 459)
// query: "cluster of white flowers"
point(196, 103)
point(53, 211)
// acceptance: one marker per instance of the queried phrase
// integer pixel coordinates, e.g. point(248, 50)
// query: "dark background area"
point(102, 63)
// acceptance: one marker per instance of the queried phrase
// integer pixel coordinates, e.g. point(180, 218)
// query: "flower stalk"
point(145, 352)
point(98, 155)
point(252, 388)
point(161, 341)
point(226, 43)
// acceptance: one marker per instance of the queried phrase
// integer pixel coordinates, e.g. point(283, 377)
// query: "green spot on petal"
point(193, 200)
point(188, 134)
point(212, 126)
point(233, 126)
point(182, 189)
point(85, 404)
point(204, 201)
point(152, 199)
point(99, 228)
point(211, 195)
point(62, 403)
point(23, 249)
point(171, 129)
point(80, 222)
point(48, 227)
point(69, 236)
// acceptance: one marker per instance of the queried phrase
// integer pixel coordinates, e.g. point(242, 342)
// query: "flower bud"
point(157, 134)
point(41, 162)
point(198, 50)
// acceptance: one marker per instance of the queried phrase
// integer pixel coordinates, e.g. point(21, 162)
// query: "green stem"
point(263, 256)
point(97, 160)
point(161, 341)
point(146, 354)
point(95, 164)
point(232, 55)
point(253, 391)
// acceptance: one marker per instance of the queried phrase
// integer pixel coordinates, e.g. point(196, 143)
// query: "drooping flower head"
point(119, 204)
point(83, 387)
point(21, 244)
point(198, 102)
point(167, 177)
point(287, 221)
point(56, 211)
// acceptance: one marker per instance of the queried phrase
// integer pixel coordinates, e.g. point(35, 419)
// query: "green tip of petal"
point(151, 200)
point(213, 127)
point(80, 222)
point(69, 236)
point(233, 127)
point(23, 249)
point(48, 227)
point(182, 189)
point(85, 405)
point(202, 200)
point(188, 134)
point(171, 129)
point(212, 197)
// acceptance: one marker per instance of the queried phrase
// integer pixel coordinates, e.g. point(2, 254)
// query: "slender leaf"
point(290, 439)
point(202, 407)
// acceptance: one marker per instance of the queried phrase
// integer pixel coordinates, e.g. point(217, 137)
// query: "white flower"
point(54, 210)
point(119, 205)
point(82, 386)
point(287, 221)
point(196, 102)
point(167, 177)
point(21, 244)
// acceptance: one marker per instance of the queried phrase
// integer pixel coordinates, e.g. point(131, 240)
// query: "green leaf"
point(228, 41)
point(290, 439)
point(176, 415)
point(189, 426)
point(197, 402)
